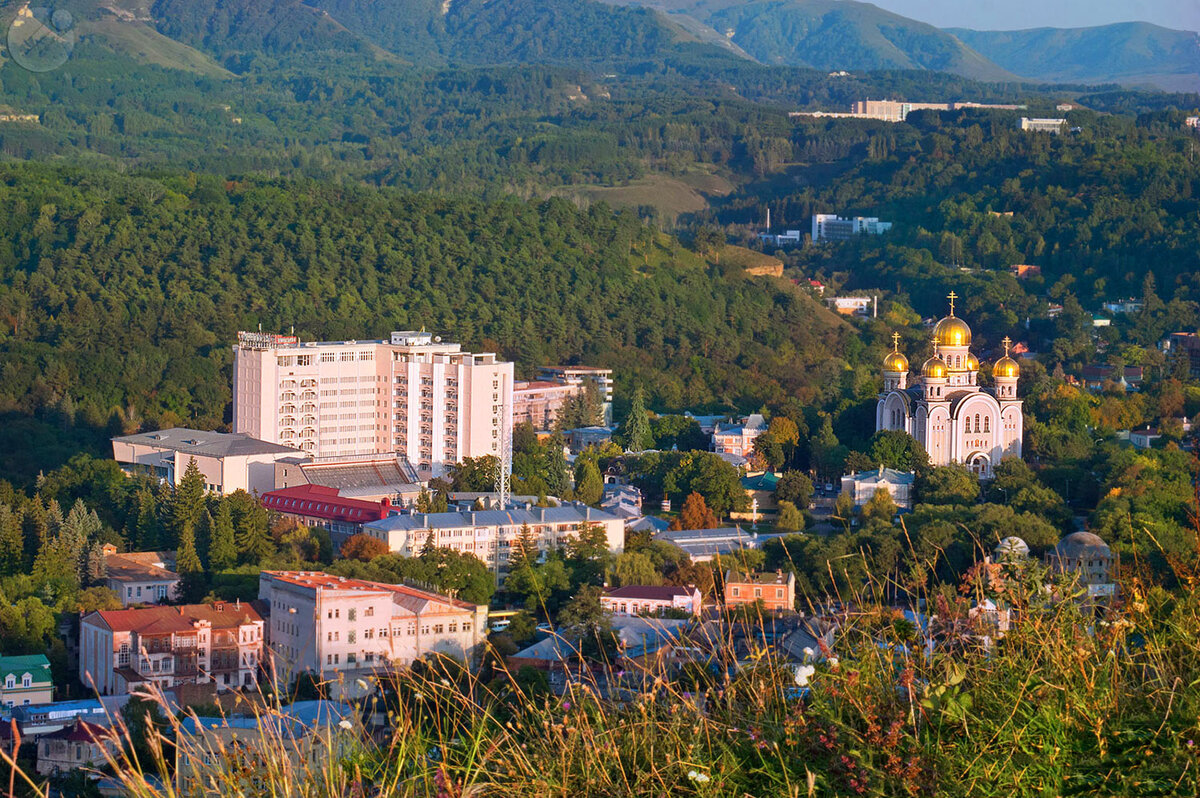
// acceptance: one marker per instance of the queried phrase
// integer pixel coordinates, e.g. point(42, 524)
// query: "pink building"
point(121, 650)
point(413, 395)
point(583, 376)
point(329, 624)
point(651, 599)
point(227, 462)
point(738, 438)
point(540, 402)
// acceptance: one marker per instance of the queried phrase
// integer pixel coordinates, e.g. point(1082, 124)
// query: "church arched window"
point(986, 422)
point(977, 422)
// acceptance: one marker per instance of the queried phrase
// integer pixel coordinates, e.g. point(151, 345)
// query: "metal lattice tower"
point(504, 461)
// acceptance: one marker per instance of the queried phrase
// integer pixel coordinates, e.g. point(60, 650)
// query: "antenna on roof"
point(504, 462)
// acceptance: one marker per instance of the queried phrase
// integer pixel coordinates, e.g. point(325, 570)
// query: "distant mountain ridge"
point(1127, 52)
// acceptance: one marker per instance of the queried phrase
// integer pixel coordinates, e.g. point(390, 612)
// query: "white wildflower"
point(803, 674)
point(345, 724)
point(833, 662)
point(362, 684)
point(808, 653)
point(445, 682)
point(698, 777)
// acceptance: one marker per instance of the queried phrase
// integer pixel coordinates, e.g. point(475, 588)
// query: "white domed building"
point(944, 407)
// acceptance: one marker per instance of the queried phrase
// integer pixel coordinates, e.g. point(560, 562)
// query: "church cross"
point(953, 296)
point(895, 342)
point(1007, 343)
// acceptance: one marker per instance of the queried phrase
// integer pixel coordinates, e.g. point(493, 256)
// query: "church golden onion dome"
point(972, 362)
point(895, 362)
point(1006, 367)
point(935, 368)
point(952, 331)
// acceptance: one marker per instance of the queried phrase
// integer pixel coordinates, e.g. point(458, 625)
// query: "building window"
point(351, 614)
point(350, 637)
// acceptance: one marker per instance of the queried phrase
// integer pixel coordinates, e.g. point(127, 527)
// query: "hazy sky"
point(1015, 14)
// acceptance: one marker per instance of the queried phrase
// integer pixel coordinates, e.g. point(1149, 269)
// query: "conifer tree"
point(638, 436)
point(96, 567)
point(187, 563)
point(34, 527)
point(189, 498)
point(164, 506)
point(146, 522)
point(589, 485)
point(252, 537)
point(12, 543)
point(222, 552)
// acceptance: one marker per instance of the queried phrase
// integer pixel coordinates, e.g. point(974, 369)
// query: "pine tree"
point(638, 436)
point(222, 552)
point(54, 518)
point(189, 498)
point(35, 528)
point(12, 542)
point(252, 538)
point(523, 552)
point(164, 505)
point(97, 566)
point(187, 563)
point(204, 532)
point(146, 525)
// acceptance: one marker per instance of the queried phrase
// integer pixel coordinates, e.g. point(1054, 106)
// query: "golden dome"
point(934, 367)
point(972, 362)
point(952, 331)
point(1006, 367)
point(895, 362)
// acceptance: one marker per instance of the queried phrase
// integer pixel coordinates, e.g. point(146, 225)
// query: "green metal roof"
point(34, 664)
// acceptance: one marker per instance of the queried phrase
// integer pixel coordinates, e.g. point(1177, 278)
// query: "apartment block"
point(1055, 126)
point(491, 534)
point(219, 644)
point(412, 395)
point(777, 591)
point(330, 624)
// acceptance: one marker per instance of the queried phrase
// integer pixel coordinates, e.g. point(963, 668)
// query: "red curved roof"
point(325, 503)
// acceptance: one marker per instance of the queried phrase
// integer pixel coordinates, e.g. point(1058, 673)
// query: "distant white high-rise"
point(412, 395)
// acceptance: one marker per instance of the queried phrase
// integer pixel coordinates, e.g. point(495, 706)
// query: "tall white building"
point(412, 395)
point(831, 227)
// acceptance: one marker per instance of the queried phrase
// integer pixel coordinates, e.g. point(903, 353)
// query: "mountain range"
point(830, 35)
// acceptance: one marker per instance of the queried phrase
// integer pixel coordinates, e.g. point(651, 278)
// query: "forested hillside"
point(121, 296)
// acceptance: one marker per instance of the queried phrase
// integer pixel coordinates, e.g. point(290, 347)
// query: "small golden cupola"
point(935, 368)
point(895, 360)
point(952, 331)
point(1006, 367)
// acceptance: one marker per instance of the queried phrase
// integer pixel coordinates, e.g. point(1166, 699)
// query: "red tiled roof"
point(649, 592)
point(319, 501)
point(164, 620)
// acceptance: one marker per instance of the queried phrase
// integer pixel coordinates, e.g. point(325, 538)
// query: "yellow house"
point(25, 680)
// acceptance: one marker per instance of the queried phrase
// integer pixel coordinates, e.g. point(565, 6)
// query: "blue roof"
point(297, 718)
point(60, 708)
point(885, 475)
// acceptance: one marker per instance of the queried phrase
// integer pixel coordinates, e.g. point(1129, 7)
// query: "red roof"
point(325, 503)
point(82, 732)
point(165, 620)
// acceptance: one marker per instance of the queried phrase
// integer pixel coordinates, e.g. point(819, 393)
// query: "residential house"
point(651, 599)
point(328, 624)
point(1144, 438)
point(1087, 556)
point(140, 577)
point(861, 306)
point(1023, 271)
point(80, 745)
point(1095, 378)
point(777, 591)
point(863, 485)
point(38, 719)
point(1124, 306)
point(25, 679)
point(228, 462)
point(217, 644)
point(582, 437)
point(325, 508)
point(738, 438)
point(1185, 347)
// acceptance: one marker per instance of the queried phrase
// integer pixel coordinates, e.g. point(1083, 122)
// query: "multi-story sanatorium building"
point(412, 395)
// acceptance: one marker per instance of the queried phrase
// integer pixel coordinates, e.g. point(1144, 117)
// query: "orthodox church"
point(944, 407)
